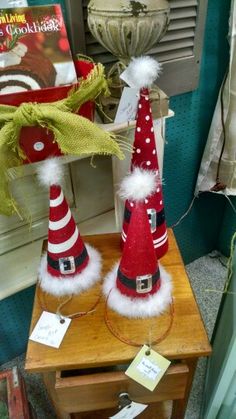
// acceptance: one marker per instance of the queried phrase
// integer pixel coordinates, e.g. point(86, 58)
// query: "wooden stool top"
point(88, 343)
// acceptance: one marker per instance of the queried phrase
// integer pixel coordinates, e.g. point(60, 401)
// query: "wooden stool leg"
point(49, 381)
point(179, 406)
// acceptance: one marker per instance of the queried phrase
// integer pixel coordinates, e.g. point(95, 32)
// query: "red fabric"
point(145, 156)
point(56, 213)
point(138, 256)
point(63, 234)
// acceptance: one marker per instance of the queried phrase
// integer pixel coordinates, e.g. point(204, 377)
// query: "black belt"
point(131, 282)
point(79, 260)
point(160, 216)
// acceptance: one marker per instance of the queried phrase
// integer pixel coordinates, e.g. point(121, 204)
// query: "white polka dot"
point(152, 129)
point(161, 202)
point(147, 117)
point(146, 201)
point(147, 140)
point(154, 152)
point(146, 97)
point(158, 189)
point(157, 172)
point(38, 146)
point(150, 110)
point(138, 129)
point(140, 106)
point(138, 151)
point(131, 204)
point(148, 163)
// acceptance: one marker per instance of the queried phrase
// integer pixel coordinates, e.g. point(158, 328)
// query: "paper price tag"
point(146, 369)
point(50, 330)
point(130, 411)
point(127, 79)
point(128, 104)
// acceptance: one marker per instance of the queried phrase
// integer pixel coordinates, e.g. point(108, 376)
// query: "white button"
point(147, 140)
point(138, 129)
point(148, 163)
point(38, 146)
point(138, 151)
point(154, 152)
point(147, 117)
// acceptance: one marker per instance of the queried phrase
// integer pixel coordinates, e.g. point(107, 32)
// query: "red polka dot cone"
point(145, 154)
point(70, 266)
point(138, 286)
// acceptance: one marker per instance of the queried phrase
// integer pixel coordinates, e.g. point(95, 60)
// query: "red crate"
point(12, 389)
point(36, 142)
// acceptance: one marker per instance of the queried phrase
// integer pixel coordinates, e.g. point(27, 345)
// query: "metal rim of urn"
point(126, 34)
point(128, 7)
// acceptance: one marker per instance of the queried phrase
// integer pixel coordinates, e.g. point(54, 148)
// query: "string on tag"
point(130, 342)
point(62, 304)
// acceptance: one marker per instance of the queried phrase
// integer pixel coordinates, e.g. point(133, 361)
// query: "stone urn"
point(128, 28)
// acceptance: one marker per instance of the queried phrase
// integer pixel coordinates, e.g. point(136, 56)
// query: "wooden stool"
point(86, 374)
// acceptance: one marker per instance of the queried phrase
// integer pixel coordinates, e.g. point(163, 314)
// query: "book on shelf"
point(34, 49)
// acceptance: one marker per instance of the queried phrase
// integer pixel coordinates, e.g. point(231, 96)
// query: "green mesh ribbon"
point(73, 133)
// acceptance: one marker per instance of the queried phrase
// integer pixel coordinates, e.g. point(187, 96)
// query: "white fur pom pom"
point(138, 185)
point(50, 172)
point(143, 71)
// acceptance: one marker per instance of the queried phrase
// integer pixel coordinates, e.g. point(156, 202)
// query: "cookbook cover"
point(34, 49)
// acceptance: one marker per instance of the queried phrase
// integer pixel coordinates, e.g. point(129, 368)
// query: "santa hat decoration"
point(143, 71)
point(69, 266)
point(138, 286)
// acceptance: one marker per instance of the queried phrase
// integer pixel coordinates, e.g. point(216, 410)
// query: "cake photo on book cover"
point(34, 49)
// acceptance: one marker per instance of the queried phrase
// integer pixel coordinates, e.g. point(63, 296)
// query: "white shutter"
point(179, 50)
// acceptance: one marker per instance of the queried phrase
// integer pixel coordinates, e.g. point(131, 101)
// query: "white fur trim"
point(76, 284)
point(50, 172)
point(150, 306)
point(138, 185)
point(143, 71)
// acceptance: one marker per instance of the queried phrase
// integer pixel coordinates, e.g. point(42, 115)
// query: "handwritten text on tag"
point(50, 330)
point(128, 104)
point(149, 369)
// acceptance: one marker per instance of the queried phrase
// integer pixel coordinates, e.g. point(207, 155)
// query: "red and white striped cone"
point(70, 266)
point(145, 156)
point(138, 286)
